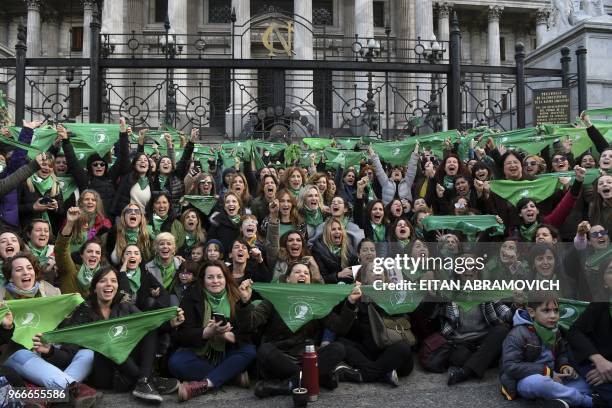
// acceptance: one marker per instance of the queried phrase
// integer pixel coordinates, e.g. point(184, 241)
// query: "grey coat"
point(388, 186)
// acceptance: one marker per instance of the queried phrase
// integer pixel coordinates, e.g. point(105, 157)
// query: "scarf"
point(335, 249)
point(162, 181)
point(547, 335)
point(594, 259)
point(158, 222)
point(345, 220)
point(418, 231)
point(167, 272)
point(371, 195)
point(528, 232)
point(235, 219)
point(20, 293)
point(40, 254)
point(405, 243)
point(84, 276)
point(251, 241)
point(131, 236)
point(379, 232)
point(313, 217)
point(448, 183)
point(41, 185)
point(295, 191)
point(134, 277)
point(143, 182)
point(190, 240)
point(214, 350)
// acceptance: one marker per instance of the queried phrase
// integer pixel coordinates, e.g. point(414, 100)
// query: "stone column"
point(88, 7)
point(346, 91)
point(4, 27)
point(541, 25)
point(33, 40)
point(302, 81)
point(178, 15)
point(364, 28)
point(244, 87)
point(404, 93)
point(476, 84)
point(444, 10)
point(493, 52)
point(112, 22)
point(424, 19)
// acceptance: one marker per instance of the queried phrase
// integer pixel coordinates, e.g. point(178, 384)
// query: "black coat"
point(330, 264)
point(27, 213)
point(144, 301)
point(223, 229)
point(591, 333)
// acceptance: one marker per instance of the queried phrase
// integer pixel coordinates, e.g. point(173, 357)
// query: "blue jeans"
point(575, 392)
point(36, 370)
point(185, 364)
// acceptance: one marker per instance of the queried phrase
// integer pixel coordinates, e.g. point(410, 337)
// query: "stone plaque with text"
point(551, 105)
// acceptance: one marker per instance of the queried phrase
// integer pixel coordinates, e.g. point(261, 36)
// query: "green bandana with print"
point(134, 277)
point(547, 335)
point(42, 185)
point(131, 236)
point(335, 249)
point(449, 182)
point(143, 182)
point(162, 181)
point(528, 232)
point(167, 272)
point(235, 219)
point(190, 240)
point(40, 254)
point(158, 222)
point(379, 232)
point(313, 217)
point(295, 191)
point(85, 275)
point(371, 195)
point(405, 243)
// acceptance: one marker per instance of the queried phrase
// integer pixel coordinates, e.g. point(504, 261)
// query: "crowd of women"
point(127, 241)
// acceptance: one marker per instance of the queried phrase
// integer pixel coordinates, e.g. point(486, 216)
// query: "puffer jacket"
point(354, 233)
point(523, 354)
point(404, 188)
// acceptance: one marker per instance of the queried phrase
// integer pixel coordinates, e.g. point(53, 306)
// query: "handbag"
point(434, 353)
point(389, 330)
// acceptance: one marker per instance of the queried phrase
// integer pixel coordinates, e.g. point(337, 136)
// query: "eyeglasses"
point(559, 160)
point(185, 273)
point(531, 163)
point(205, 182)
point(597, 234)
point(132, 211)
point(98, 164)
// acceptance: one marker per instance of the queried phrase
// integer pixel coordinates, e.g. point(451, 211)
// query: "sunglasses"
point(98, 164)
point(531, 163)
point(132, 211)
point(597, 234)
point(559, 160)
point(205, 182)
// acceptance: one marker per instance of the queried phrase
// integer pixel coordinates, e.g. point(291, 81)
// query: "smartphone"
point(220, 318)
point(46, 200)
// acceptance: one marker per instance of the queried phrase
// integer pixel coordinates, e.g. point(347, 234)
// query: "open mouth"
point(108, 291)
point(295, 250)
point(10, 250)
point(26, 280)
point(403, 231)
point(231, 209)
point(301, 280)
point(250, 230)
point(270, 190)
point(376, 218)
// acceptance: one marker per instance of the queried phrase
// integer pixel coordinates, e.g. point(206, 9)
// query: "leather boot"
point(269, 388)
point(188, 390)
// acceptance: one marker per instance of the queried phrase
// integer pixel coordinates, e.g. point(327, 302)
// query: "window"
point(379, 14)
point(323, 12)
point(76, 39)
point(75, 105)
point(161, 10)
point(271, 6)
point(219, 11)
point(502, 48)
point(220, 92)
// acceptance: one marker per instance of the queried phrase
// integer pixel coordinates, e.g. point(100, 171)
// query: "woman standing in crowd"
point(225, 224)
point(39, 235)
point(290, 218)
point(93, 221)
point(131, 229)
point(164, 264)
point(310, 207)
point(135, 187)
point(160, 215)
point(333, 253)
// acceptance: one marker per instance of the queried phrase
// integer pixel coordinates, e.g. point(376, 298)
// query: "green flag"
point(395, 153)
point(67, 186)
point(538, 190)
point(38, 315)
point(343, 158)
point(599, 112)
point(292, 153)
point(3, 310)
point(202, 203)
point(32, 151)
point(469, 224)
point(589, 177)
point(114, 338)
point(99, 136)
point(272, 147)
point(317, 143)
point(348, 143)
point(394, 302)
point(569, 311)
point(298, 304)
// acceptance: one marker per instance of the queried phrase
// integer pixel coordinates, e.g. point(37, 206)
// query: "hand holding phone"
point(219, 318)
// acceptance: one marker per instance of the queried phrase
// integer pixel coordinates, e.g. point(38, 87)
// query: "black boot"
point(269, 388)
point(457, 375)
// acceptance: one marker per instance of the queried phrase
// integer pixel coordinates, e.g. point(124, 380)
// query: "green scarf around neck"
point(143, 182)
point(528, 232)
point(405, 243)
point(162, 181)
point(595, 257)
point(134, 277)
point(131, 236)
point(448, 182)
point(379, 232)
point(335, 249)
point(214, 349)
point(235, 219)
point(313, 217)
point(547, 335)
point(84, 276)
point(40, 254)
point(295, 191)
point(40, 184)
point(158, 222)
point(167, 271)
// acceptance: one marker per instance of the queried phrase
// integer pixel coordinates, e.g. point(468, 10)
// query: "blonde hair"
point(164, 236)
point(55, 188)
point(328, 241)
point(83, 221)
point(144, 242)
point(245, 197)
point(200, 232)
point(301, 201)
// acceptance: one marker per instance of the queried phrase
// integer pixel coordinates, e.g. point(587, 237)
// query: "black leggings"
point(480, 355)
point(138, 365)
point(397, 356)
point(274, 363)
